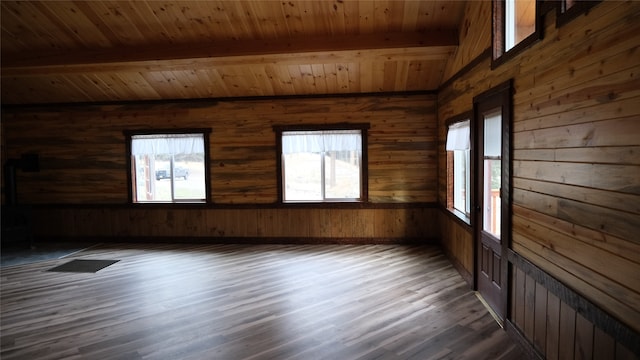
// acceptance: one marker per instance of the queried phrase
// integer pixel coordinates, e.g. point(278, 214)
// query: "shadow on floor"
point(15, 255)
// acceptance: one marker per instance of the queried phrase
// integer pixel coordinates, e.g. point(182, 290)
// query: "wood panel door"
point(492, 199)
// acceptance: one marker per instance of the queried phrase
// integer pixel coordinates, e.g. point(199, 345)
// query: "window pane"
point(520, 18)
point(342, 175)
point(188, 176)
point(493, 134)
point(321, 165)
point(302, 176)
point(492, 184)
point(169, 167)
point(461, 186)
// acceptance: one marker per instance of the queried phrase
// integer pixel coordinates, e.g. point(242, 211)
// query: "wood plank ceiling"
point(103, 51)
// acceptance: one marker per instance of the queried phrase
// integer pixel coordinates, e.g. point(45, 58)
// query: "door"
point(492, 209)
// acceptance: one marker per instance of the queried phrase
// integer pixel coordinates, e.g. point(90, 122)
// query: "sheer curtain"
point(167, 144)
point(458, 136)
point(319, 141)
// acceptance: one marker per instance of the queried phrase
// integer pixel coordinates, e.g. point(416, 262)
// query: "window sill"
point(460, 216)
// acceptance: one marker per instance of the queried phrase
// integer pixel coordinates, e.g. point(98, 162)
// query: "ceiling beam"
point(308, 50)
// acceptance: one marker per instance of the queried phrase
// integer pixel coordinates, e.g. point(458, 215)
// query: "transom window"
point(322, 165)
point(516, 25)
point(169, 167)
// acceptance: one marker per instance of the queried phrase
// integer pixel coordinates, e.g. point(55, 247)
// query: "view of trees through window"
point(322, 165)
point(304, 174)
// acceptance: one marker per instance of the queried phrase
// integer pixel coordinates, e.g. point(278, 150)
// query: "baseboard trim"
point(414, 241)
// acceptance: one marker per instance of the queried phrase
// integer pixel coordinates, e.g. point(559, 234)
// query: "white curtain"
point(458, 136)
point(167, 144)
point(319, 141)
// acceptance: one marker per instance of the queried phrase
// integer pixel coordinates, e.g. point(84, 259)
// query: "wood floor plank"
point(206, 301)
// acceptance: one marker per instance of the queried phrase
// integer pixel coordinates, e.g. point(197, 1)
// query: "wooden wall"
point(576, 157)
point(83, 162)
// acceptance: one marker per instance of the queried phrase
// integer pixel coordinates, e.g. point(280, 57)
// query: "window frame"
point(564, 15)
point(499, 54)
point(129, 134)
point(465, 217)
point(364, 178)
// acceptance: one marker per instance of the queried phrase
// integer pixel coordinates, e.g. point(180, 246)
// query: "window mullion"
point(173, 178)
point(322, 176)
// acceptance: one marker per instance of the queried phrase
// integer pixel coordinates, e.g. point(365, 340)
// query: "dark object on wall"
point(16, 227)
point(27, 163)
point(16, 220)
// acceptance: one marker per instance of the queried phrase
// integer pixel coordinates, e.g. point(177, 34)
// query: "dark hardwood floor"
point(170, 301)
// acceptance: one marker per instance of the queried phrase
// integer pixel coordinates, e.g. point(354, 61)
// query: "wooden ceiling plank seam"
point(323, 12)
point(320, 78)
point(390, 70)
point(120, 86)
point(331, 78)
point(278, 86)
point(273, 23)
point(155, 19)
point(285, 78)
point(142, 84)
point(426, 13)
point(292, 19)
point(309, 21)
point(378, 75)
point(230, 80)
point(272, 76)
point(296, 79)
point(220, 27)
point(410, 16)
point(175, 13)
point(306, 76)
point(157, 80)
point(351, 17)
point(396, 16)
point(263, 80)
point(367, 13)
point(94, 34)
point(248, 81)
point(254, 26)
point(381, 16)
point(342, 71)
point(195, 17)
point(189, 83)
point(354, 77)
point(164, 17)
point(366, 76)
point(122, 25)
point(91, 92)
point(425, 76)
point(216, 80)
point(23, 33)
point(140, 15)
point(337, 19)
point(41, 28)
point(238, 19)
point(65, 37)
point(402, 71)
point(107, 93)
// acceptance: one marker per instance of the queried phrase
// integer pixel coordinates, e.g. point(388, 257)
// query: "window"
point(492, 162)
point(168, 167)
point(322, 165)
point(570, 9)
point(459, 168)
point(516, 25)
